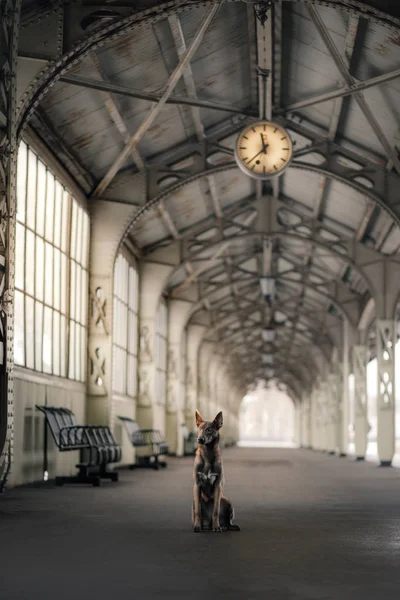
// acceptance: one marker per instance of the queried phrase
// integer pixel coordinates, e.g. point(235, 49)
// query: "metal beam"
point(340, 93)
point(349, 80)
point(187, 75)
point(95, 84)
point(154, 112)
point(166, 217)
point(115, 113)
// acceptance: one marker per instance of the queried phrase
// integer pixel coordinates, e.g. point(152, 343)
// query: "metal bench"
point(189, 441)
point(146, 438)
point(95, 443)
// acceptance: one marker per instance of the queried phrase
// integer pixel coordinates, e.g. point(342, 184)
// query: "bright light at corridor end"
point(266, 418)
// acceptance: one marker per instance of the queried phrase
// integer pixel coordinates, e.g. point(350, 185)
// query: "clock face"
point(264, 149)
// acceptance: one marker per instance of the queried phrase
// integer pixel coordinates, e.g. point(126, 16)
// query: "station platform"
point(313, 527)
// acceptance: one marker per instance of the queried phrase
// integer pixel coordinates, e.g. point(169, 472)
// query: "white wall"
point(31, 389)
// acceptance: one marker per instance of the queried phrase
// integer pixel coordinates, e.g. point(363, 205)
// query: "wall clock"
point(263, 149)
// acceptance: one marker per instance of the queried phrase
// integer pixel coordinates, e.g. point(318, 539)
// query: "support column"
point(331, 413)
point(194, 336)
point(108, 224)
point(324, 411)
point(9, 16)
point(205, 355)
point(344, 437)
point(384, 273)
point(150, 410)
point(178, 311)
point(385, 352)
point(360, 401)
point(297, 424)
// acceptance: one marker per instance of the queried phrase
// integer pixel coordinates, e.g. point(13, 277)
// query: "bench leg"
point(81, 478)
point(105, 474)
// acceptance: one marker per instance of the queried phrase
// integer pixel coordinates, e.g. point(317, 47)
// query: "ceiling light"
point(268, 334)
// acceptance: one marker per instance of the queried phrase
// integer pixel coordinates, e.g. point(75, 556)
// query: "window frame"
point(57, 303)
point(129, 351)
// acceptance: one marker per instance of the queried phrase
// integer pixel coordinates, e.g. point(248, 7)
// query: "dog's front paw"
point(217, 529)
point(196, 528)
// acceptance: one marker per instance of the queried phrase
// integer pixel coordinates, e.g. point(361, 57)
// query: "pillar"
point(344, 437)
point(360, 400)
point(108, 224)
point(205, 356)
point(194, 336)
point(385, 353)
point(150, 409)
point(324, 416)
point(178, 311)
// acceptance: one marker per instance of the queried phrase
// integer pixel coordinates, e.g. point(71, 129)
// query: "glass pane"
point(78, 292)
point(19, 329)
point(56, 343)
point(58, 213)
point(83, 354)
point(77, 353)
point(117, 319)
point(84, 302)
point(21, 181)
point(50, 207)
point(63, 347)
point(73, 288)
point(132, 333)
point(63, 284)
point(31, 190)
point(41, 198)
point(136, 298)
point(71, 359)
point(131, 382)
point(30, 262)
point(38, 335)
point(57, 278)
point(20, 256)
point(131, 293)
point(48, 288)
point(123, 371)
point(73, 229)
point(29, 333)
point(85, 240)
point(47, 339)
point(64, 221)
point(39, 269)
point(79, 235)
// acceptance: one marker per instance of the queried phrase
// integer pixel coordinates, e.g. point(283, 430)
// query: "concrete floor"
point(314, 527)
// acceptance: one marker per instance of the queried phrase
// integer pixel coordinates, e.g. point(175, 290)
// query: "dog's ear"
point(218, 421)
point(199, 418)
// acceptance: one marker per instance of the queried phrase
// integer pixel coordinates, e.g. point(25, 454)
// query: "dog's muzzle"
point(201, 440)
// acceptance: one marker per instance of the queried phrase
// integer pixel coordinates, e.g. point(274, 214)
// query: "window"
point(126, 294)
point(51, 278)
point(161, 353)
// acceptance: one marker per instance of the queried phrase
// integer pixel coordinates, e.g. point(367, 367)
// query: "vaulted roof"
point(334, 82)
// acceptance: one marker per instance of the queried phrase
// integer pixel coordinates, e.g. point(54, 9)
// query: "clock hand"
point(249, 161)
point(265, 146)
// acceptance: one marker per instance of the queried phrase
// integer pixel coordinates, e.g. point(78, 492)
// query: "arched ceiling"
point(334, 83)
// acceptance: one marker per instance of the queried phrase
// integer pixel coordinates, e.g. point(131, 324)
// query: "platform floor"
point(314, 527)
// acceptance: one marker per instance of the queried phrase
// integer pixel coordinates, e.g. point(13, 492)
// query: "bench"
point(150, 439)
point(95, 443)
point(189, 441)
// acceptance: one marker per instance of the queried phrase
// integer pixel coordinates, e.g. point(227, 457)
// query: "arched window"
point(161, 353)
point(125, 331)
point(51, 278)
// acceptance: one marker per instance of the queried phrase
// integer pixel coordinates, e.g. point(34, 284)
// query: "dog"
point(210, 509)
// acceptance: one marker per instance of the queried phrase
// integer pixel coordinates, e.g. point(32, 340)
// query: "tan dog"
point(211, 510)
